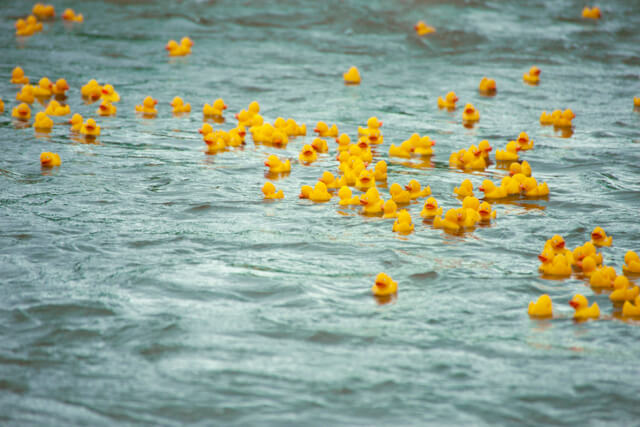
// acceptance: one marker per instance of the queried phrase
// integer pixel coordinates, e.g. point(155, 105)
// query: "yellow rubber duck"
point(176, 49)
point(636, 99)
point(269, 191)
point(42, 122)
point(43, 11)
point(546, 257)
point(1, 106)
point(187, 43)
point(485, 147)
point(524, 142)
point(276, 165)
point(465, 189)
point(559, 266)
point(600, 238)
point(352, 76)
point(76, 122)
point(43, 90)
point(588, 249)
point(18, 77)
point(55, 109)
point(179, 107)
point(108, 93)
point(422, 28)
point(389, 209)
point(509, 154)
point(450, 221)
point(330, 181)
point(320, 193)
point(148, 107)
point(423, 147)
point(485, 212)
point(588, 265)
point(400, 196)
point(403, 223)
point(60, 87)
point(403, 150)
point(70, 15)
point(346, 197)
point(371, 202)
point(305, 190)
point(564, 120)
point(533, 76)
point(380, 171)
point(523, 168)
point(23, 29)
point(631, 310)
point(623, 291)
point(603, 277)
point(467, 217)
point(631, 263)
point(279, 139)
point(343, 142)
point(21, 112)
point(531, 188)
point(106, 108)
point(546, 118)
point(49, 159)
point(449, 101)
point(591, 13)
point(416, 191)
point(308, 155)
point(92, 90)
point(365, 180)
point(320, 145)
point(471, 202)
point(384, 285)
point(582, 309)
point(542, 308)
point(512, 185)
point(205, 129)
point(214, 110)
point(470, 114)
point(323, 130)
point(430, 209)
point(90, 128)
point(487, 86)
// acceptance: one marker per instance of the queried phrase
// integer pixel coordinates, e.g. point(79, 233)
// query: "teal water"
point(146, 283)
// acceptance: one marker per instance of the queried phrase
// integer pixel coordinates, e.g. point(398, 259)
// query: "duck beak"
point(106, 92)
point(429, 206)
point(364, 202)
point(407, 187)
point(542, 258)
point(560, 245)
point(573, 304)
point(537, 72)
point(596, 236)
point(381, 285)
point(481, 188)
point(468, 110)
point(267, 164)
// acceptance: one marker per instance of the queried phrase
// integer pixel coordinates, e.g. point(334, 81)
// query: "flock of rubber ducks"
point(32, 24)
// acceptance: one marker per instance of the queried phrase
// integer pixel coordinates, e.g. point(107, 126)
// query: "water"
point(146, 283)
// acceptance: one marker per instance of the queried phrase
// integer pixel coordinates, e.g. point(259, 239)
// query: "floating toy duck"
point(320, 145)
point(26, 94)
point(21, 112)
point(42, 122)
point(471, 202)
point(275, 165)
point(343, 142)
point(92, 90)
point(176, 49)
point(390, 209)
point(322, 129)
point(557, 245)
point(1, 106)
point(546, 118)
point(179, 107)
point(546, 257)
point(603, 277)
point(308, 155)
point(485, 212)
point(70, 15)
point(542, 308)
point(55, 109)
point(423, 147)
point(450, 221)
point(600, 238)
point(106, 108)
point(371, 202)
point(320, 193)
point(186, 42)
point(523, 168)
point(352, 76)
point(559, 266)
point(623, 291)
point(365, 180)
point(403, 223)
point(76, 122)
point(416, 191)
point(430, 209)
point(346, 197)
point(49, 159)
point(380, 171)
point(109, 94)
point(215, 109)
point(269, 191)
point(485, 147)
point(60, 88)
point(636, 99)
point(512, 185)
point(531, 188)
point(467, 218)
point(279, 139)
point(384, 285)
point(470, 114)
point(564, 119)
point(591, 13)
point(509, 154)
point(22, 29)
point(330, 181)
point(18, 77)
point(148, 107)
point(631, 310)
point(215, 142)
point(400, 196)
point(533, 76)
point(631, 263)
point(588, 265)
point(205, 129)
point(449, 101)
point(588, 249)
point(90, 128)
point(403, 150)
point(465, 189)
point(524, 142)
point(43, 90)
point(487, 86)
point(43, 11)
point(423, 29)
point(582, 309)
point(305, 190)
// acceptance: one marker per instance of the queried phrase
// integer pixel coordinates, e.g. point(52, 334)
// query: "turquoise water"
point(146, 283)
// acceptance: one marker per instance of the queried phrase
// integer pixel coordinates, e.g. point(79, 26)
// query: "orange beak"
point(537, 72)
point(381, 285)
point(560, 245)
point(542, 258)
point(573, 304)
point(373, 137)
point(103, 107)
point(469, 110)
point(407, 187)
point(364, 202)
point(106, 92)
point(267, 164)
point(155, 102)
point(481, 188)
point(224, 107)
point(429, 206)
point(517, 149)
point(596, 236)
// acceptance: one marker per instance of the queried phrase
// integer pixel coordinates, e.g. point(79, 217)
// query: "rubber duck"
point(343, 142)
point(352, 76)
point(531, 188)
point(485, 147)
point(512, 185)
point(308, 155)
point(485, 212)
point(524, 142)
point(470, 114)
point(346, 197)
point(473, 159)
point(559, 266)
point(389, 209)
point(186, 42)
point(106, 108)
point(109, 94)
point(329, 180)
point(215, 109)
point(582, 252)
point(623, 291)
point(631, 310)
point(55, 109)
point(636, 99)
point(449, 101)
point(465, 189)
point(279, 139)
point(76, 122)
point(322, 129)
point(60, 87)
point(603, 277)
point(90, 128)
point(564, 120)
point(43, 11)
point(416, 191)
point(509, 154)
point(487, 86)
point(320, 193)
point(49, 159)
point(471, 202)
point(546, 257)
point(631, 263)
point(600, 238)
point(320, 145)
point(588, 265)
point(450, 221)
point(176, 49)
point(42, 122)
point(430, 208)
point(148, 107)
point(557, 245)
point(365, 180)
point(522, 168)
point(179, 107)
point(275, 165)
point(43, 90)
point(92, 90)
point(533, 76)
point(541, 308)
point(371, 202)
point(400, 196)
point(380, 171)
point(18, 77)
point(467, 217)
point(305, 190)
point(546, 118)
point(582, 309)
point(403, 223)
point(422, 28)
point(1, 106)
point(70, 15)
point(269, 191)
point(384, 285)
point(423, 147)
point(403, 150)
point(593, 13)
point(21, 112)
point(205, 129)
point(22, 29)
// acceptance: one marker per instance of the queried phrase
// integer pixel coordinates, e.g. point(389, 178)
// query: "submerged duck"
point(509, 154)
point(541, 308)
point(485, 212)
point(42, 122)
point(390, 209)
point(524, 142)
point(430, 208)
point(215, 109)
point(415, 190)
point(487, 86)
point(449, 101)
point(380, 171)
point(308, 155)
point(18, 77)
point(322, 129)
point(320, 193)
point(403, 224)
point(55, 109)
point(179, 106)
point(384, 285)
point(600, 238)
point(72, 16)
point(591, 13)
point(400, 196)
point(269, 191)
point(371, 202)
point(275, 165)
point(346, 197)
point(631, 263)
point(49, 159)
point(465, 189)
point(21, 112)
point(623, 291)
point(533, 76)
point(148, 107)
point(60, 87)
point(470, 114)
point(352, 76)
point(106, 108)
point(90, 128)
point(422, 28)
point(76, 122)
point(582, 309)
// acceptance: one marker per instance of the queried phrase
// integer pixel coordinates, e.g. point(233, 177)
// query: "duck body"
point(470, 114)
point(320, 193)
point(42, 122)
point(26, 94)
point(44, 88)
point(582, 309)
point(509, 154)
point(465, 189)
point(380, 171)
point(631, 263)
point(449, 222)
point(487, 86)
point(403, 223)
point(71, 16)
point(623, 291)
point(542, 308)
point(216, 109)
point(399, 195)
point(55, 109)
point(430, 209)
point(179, 107)
point(389, 209)
point(371, 202)
point(591, 13)
point(18, 77)
point(352, 76)
point(269, 191)
point(50, 160)
point(148, 107)
point(560, 266)
point(631, 309)
point(308, 155)
point(533, 76)
point(275, 165)
point(323, 130)
point(92, 90)
point(449, 101)
point(416, 191)
point(76, 123)
point(90, 128)
point(347, 198)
